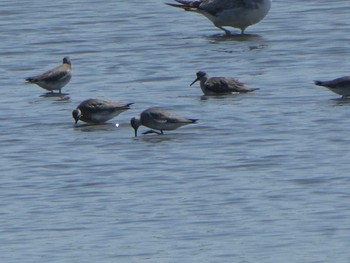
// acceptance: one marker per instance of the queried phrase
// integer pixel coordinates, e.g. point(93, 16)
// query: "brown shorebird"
point(159, 119)
point(98, 111)
point(220, 85)
point(54, 79)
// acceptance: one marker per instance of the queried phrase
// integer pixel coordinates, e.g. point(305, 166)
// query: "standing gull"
point(234, 13)
point(220, 85)
point(159, 119)
point(340, 86)
point(54, 79)
point(98, 111)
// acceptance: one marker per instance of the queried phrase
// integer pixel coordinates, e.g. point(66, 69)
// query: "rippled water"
point(262, 177)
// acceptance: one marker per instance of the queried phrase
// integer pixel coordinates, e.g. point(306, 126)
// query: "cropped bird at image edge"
point(233, 13)
point(340, 86)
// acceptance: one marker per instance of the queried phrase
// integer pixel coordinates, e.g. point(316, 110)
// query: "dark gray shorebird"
point(98, 111)
point(234, 13)
point(54, 79)
point(220, 85)
point(159, 119)
point(339, 86)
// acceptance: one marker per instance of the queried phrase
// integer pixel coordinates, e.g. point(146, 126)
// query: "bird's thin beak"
point(194, 81)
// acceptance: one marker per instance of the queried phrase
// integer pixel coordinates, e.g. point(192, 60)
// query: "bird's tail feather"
point(186, 4)
point(318, 83)
point(30, 79)
point(249, 90)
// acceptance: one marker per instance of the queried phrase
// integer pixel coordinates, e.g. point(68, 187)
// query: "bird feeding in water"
point(98, 111)
point(159, 119)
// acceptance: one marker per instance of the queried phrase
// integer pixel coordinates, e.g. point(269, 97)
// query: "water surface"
point(261, 178)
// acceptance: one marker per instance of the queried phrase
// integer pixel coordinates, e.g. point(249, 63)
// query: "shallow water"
point(262, 177)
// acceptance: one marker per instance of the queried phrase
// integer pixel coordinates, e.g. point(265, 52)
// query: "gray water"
point(262, 177)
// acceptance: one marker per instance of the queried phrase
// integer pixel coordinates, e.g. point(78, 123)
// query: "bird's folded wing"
point(52, 75)
point(215, 6)
point(236, 85)
point(222, 85)
point(97, 106)
point(178, 120)
point(339, 82)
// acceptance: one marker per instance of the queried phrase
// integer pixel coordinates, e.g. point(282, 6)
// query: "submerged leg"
point(242, 31)
point(227, 32)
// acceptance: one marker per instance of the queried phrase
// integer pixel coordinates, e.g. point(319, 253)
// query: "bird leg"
point(227, 32)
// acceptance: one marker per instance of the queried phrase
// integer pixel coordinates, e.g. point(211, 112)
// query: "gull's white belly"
point(240, 17)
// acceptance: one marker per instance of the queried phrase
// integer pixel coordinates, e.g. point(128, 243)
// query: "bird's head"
point(66, 60)
point(76, 115)
point(135, 123)
point(200, 75)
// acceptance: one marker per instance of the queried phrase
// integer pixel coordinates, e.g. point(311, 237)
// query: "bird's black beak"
point(194, 81)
